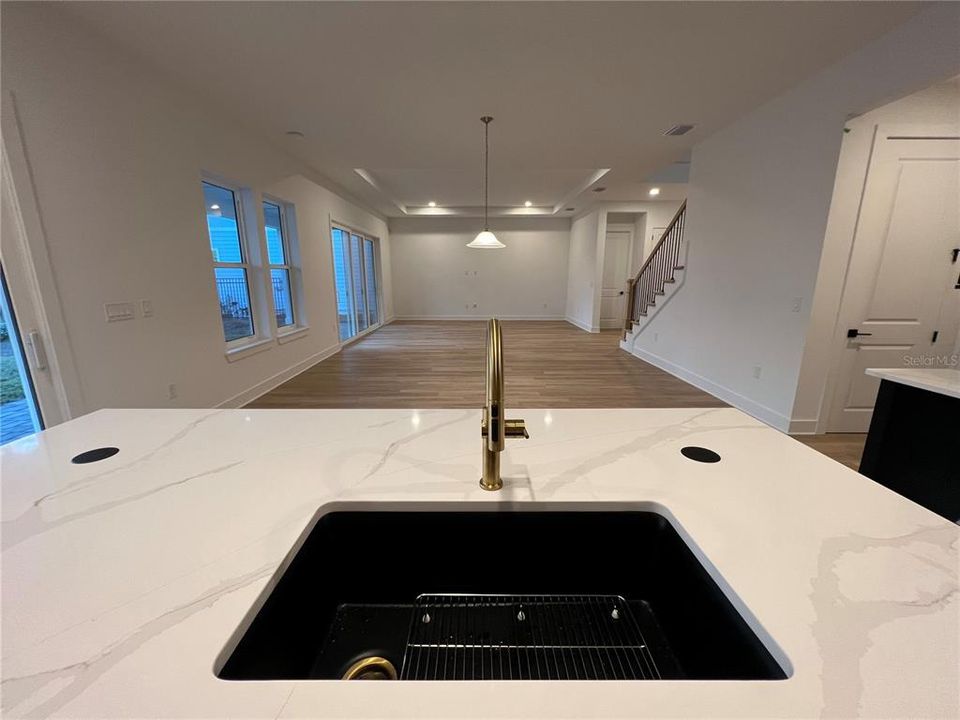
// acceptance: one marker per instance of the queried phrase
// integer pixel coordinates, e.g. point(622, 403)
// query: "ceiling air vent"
point(679, 130)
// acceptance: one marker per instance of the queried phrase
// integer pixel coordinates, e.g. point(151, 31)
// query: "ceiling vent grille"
point(679, 130)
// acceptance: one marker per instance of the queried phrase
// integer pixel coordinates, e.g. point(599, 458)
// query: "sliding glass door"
point(355, 274)
point(19, 410)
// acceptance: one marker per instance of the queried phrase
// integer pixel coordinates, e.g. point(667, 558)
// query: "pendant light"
point(486, 240)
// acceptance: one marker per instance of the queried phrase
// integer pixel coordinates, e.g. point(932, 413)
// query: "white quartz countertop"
point(945, 381)
point(122, 581)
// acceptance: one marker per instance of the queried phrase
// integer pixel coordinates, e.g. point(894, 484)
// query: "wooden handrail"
point(656, 271)
point(673, 221)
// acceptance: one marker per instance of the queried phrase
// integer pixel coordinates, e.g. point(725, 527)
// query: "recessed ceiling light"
point(654, 192)
point(599, 189)
point(294, 133)
point(431, 204)
point(528, 204)
point(214, 207)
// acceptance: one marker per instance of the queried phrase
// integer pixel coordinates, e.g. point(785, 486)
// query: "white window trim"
point(291, 254)
point(248, 214)
point(251, 348)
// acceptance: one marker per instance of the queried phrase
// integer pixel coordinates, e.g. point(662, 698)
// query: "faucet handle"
point(515, 429)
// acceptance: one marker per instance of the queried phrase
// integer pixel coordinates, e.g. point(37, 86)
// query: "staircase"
point(657, 280)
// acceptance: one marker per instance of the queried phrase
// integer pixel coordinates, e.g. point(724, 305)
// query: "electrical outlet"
point(656, 336)
point(756, 372)
point(171, 391)
point(797, 304)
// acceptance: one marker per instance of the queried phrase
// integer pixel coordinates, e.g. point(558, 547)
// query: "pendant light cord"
point(486, 119)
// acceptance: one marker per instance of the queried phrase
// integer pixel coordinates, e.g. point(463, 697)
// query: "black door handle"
point(853, 332)
point(621, 292)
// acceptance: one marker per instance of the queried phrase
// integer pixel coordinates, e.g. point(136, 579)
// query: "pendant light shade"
point(486, 240)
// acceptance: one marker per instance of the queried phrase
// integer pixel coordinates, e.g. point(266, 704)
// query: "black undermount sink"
point(490, 595)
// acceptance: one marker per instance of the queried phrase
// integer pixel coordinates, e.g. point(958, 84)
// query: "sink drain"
point(371, 668)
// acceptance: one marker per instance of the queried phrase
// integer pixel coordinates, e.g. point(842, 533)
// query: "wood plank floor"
point(441, 364)
point(411, 364)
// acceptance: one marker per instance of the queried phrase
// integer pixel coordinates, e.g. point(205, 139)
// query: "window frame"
point(291, 255)
point(250, 254)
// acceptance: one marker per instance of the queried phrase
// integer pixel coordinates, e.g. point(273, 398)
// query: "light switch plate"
point(146, 308)
point(118, 311)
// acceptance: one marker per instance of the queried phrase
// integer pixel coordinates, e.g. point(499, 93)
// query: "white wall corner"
point(582, 325)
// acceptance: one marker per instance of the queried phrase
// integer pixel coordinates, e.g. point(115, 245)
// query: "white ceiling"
point(397, 89)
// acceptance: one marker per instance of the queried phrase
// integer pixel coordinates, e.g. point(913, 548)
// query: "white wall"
point(758, 201)
point(116, 153)
point(436, 275)
point(936, 105)
point(584, 271)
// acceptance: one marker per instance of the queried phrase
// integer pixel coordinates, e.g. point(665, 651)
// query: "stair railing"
point(656, 272)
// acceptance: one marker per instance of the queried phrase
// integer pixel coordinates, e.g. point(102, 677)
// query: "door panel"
point(370, 277)
point(900, 277)
point(341, 277)
point(616, 257)
point(359, 288)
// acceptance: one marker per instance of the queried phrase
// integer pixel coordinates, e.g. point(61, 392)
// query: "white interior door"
point(899, 304)
point(616, 258)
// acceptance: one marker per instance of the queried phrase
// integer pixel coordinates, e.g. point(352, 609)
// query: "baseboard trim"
point(582, 325)
point(803, 427)
point(545, 318)
point(760, 412)
point(262, 388)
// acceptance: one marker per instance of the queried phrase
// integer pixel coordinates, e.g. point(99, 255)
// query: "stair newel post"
point(631, 304)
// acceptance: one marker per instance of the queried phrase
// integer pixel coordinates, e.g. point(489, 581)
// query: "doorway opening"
point(356, 270)
point(617, 261)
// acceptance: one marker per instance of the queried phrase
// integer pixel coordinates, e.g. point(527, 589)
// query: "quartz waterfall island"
point(127, 582)
point(912, 444)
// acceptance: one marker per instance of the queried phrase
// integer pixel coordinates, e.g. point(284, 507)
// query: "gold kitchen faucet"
point(495, 429)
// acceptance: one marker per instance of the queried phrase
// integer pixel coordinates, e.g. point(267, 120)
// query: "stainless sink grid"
point(525, 637)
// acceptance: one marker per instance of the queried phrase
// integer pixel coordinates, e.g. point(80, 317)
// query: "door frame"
point(839, 338)
point(378, 271)
point(29, 273)
point(618, 228)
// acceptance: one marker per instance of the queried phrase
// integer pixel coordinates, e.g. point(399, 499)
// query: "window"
point(231, 267)
point(357, 286)
point(278, 257)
